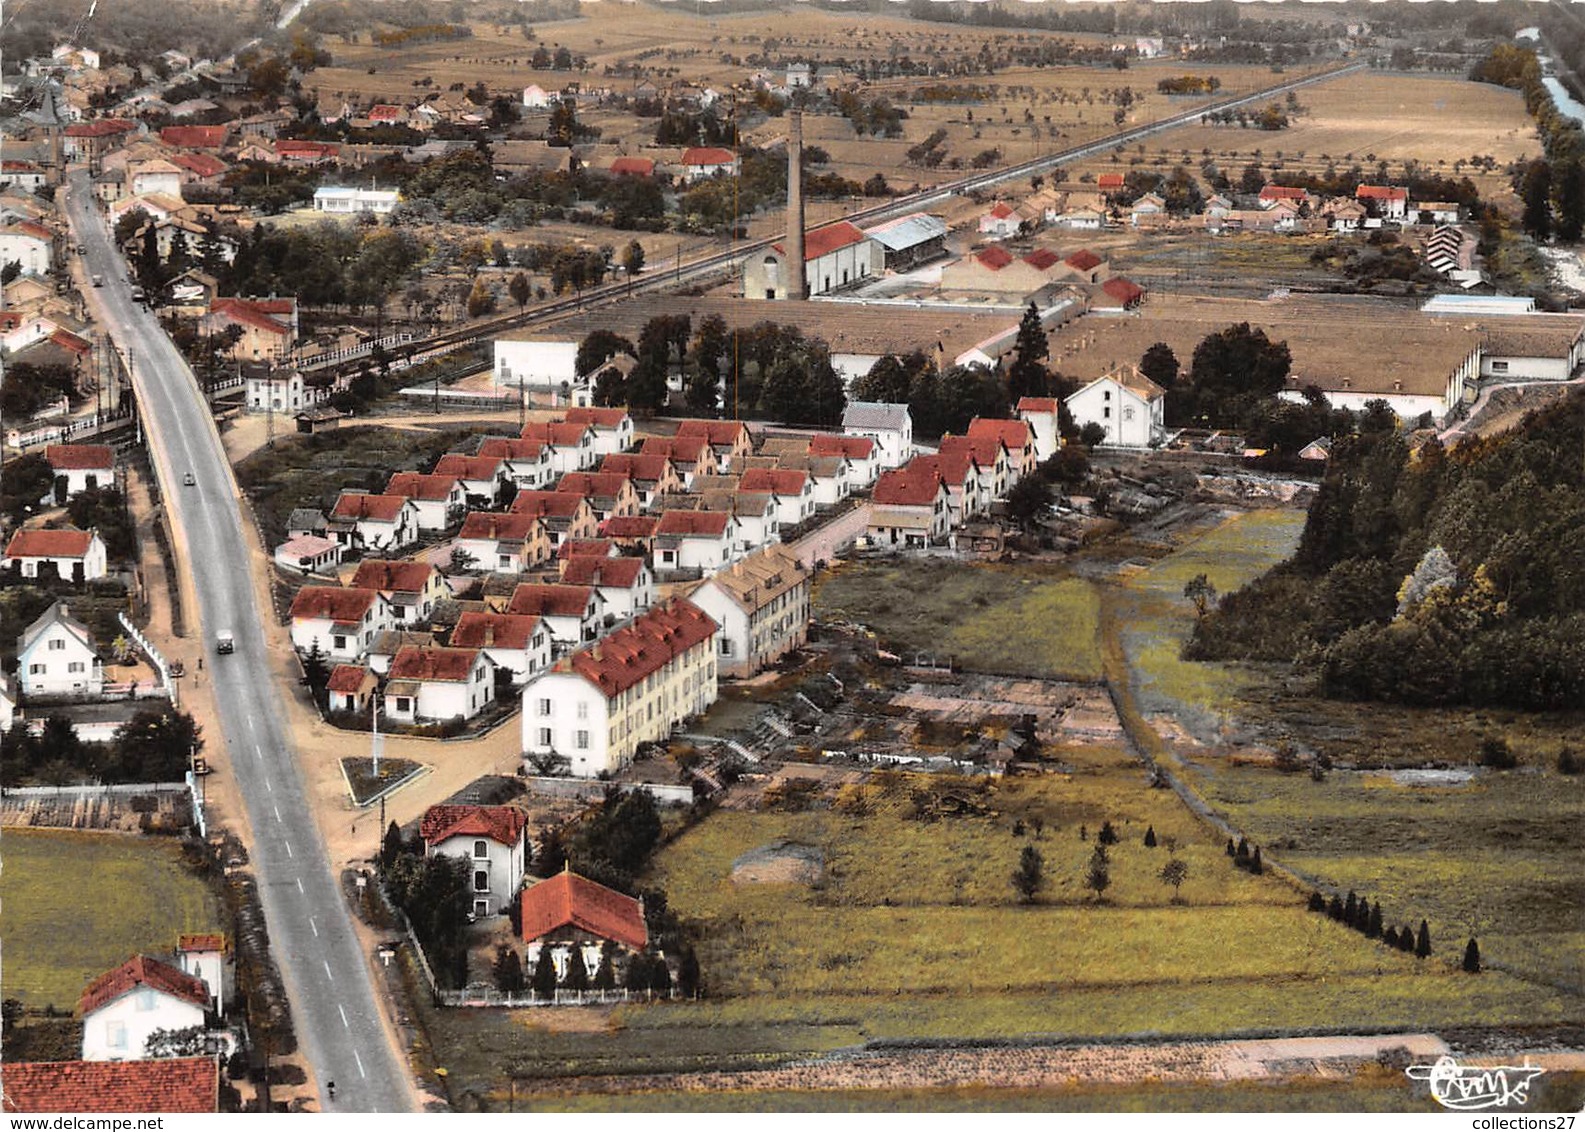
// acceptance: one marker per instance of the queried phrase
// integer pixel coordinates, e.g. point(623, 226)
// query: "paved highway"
point(333, 997)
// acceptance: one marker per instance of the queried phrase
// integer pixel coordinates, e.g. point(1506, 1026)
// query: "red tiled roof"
point(100, 128)
point(396, 577)
point(681, 449)
point(496, 525)
point(253, 313)
point(194, 137)
point(477, 629)
point(629, 526)
point(333, 603)
point(67, 543)
point(955, 465)
point(1037, 405)
point(712, 523)
point(825, 240)
point(707, 155)
point(633, 166)
point(386, 113)
point(11, 165)
point(66, 340)
point(984, 450)
point(621, 573)
point(141, 971)
point(1015, 434)
point(200, 941)
point(1281, 192)
point(200, 164)
point(587, 548)
point(1109, 181)
point(568, 899)
point(360, 505)
point(1123, 290)
point(1380, 192)
point(853, 447)
point(416, 485)
point(33, 228)
point(511, 448)
point(598, 417)
point(563, 434)
point(502, 824)
point(593, 485)
point(548, 504)
point(176, 1084)
point(777, 481)
point(643, 646)
point(636, 466)
point(80, 457)
point(1042, 259)
point(1084, 260)
point(468, 467)
point(722, 434)
point(915, 484)
point(347, 679)
point(449, 665)
point(549, 599)
point(995, 257)
point(307, 149)
point(1001, 210)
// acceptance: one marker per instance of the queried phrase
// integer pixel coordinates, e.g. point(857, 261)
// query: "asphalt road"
point(332, 994)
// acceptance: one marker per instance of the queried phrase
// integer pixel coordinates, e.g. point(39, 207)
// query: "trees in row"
point(152, 746)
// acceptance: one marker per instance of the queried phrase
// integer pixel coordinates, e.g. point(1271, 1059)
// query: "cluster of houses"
point(64, 552)
point(186, 993)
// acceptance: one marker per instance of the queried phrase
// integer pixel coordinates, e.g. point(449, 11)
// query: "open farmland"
point(128, 894)
point(1440, 122)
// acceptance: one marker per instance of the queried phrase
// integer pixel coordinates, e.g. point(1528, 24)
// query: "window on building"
point(404, 704)
point(36, 670)
point(583, 711)
point(76, 666)
point(481, 880)
point(339, 643)
point(116, 1035)
point(481, 848)
point(581, 740)
point(544, 736)
point(56, 645)
point(726, 647)
point(542, 708)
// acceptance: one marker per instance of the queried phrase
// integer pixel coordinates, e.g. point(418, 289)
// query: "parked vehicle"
point(225, 642)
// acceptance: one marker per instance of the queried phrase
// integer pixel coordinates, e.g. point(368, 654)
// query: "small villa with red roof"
point(122, 1008)
point(438, 684)
point(571, 614)
point(623, 583)
point(82, 466)
point(835, 256)
point(343, 622)
point(503, 543)
point(576, 921)
point(702, 161)
point(438, 499)
point(492, 840)
point(373, 522)
point(75, 556)
point(613, 427)
point(910, 507)
point(700, 541)
point(268, 327)
point(597, 705)
point(517, 643)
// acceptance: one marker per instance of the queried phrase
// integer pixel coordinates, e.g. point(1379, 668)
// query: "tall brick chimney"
point(797, 287)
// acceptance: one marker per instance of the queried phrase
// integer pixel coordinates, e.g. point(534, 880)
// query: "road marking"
point(300, 885)
point(314, 926)
point(359, 1060)
point(328, 974)
point(268, 786)
point(289, 853)
point(342, 1010)
point(277, 810)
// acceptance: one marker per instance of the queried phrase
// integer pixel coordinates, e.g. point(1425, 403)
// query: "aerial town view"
point(750, 556)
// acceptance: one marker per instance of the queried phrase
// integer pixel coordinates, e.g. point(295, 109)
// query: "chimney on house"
point(797, 287)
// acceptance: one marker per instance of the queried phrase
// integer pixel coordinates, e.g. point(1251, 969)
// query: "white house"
point(29, 244)
point(861, 453)
point(536, 97)
point(540, 363)
point(793, 491)
point(911, 507)
point(491, 839)
point(410, 589)
point(342, 622)
point(482, 477)
point(438, 500)
point(695, 540)
point(76, 556)
point(1127, 404)
point(515, 643)
point(347, 200)
point(1043, 416)
point(82, 466)
point(308, 554)
point(373, 522)
point(503, 543)
point(154, 175)
point(1000, 222)
point(597, 705)
point(122, 1008)
point(571, 614)
point(438, 684)
point(891, 427)
point(527, 463)
point(56, 657)
point(701, 162)
point(569, 446)
point(613, 427)
point(273, 389)
point(623, 584)
point(761, 605)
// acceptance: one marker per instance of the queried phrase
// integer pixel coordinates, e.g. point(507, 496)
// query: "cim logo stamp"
point(1469, 1088)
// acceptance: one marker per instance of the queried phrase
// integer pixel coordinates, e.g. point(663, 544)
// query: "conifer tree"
point(605, 974)
point(1335, 908)
point(1243, 849)
point(1472, 957)
point(1350, 908)
point(1108, 835)
point(544, 983)
point(1374, 930)
point(1231, 851)
point(1406, 938)
point(1150, 837)
point(1422, 945)
point(1390, 937)
point(1317, 902)
point(1254, 863)
point(577, 970)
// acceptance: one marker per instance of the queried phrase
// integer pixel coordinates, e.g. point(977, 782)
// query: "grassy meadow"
point(126, 894)
point(1020, 621)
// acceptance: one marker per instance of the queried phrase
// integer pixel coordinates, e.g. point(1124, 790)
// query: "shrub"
point(1495, 753)
point(1567, 763)
point(1108, 835)
point(1317, 902)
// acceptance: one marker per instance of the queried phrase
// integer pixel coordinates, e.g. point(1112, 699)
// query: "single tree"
point(1350, 908)
point(688, 978)
point(633, 258)
point(1108, 835)
point(1030, 875)
point(1150, 837)
point(638, 973)
point(481, 300)
point(1406, 938)
point(1335, 909)
point(1028, 501)
point(577, 970)
point(1317, 902)
point(544, 982)
point(1098, 875)
point(391, 847)
point(520, 289)
point(1390, 937)
point(508, 970)
point(1472, 957)
point(605, 974)
point(1027, 376)
point(1255, 865)
point(1160, 364)
point(1231, 850)
point(1174, 873)
point(1199, 590)
point(316, 674)
point(1374, 927)
point(1422, 943)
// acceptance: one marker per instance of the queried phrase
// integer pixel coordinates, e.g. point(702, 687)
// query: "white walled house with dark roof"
point(56, 657)
point(1127, 404)
point(891, 427)
point(491, 840)
point(438, 684)
point(761, 604)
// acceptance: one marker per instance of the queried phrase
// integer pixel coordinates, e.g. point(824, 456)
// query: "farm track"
point(713, 263)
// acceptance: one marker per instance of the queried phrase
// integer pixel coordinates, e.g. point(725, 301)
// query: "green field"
point(125, 894)
point(1026, 620)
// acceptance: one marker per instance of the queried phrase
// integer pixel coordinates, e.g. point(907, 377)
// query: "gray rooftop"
point(908, 231)
point(875, 414)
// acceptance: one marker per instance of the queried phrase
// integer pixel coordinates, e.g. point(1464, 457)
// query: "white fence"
point(488, 996)
point(591, 788)
point(158, 661)
point(346, 353)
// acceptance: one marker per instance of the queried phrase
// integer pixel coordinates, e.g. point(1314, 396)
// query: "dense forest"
point(1431, 577)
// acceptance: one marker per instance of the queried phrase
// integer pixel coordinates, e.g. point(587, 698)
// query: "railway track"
point(707, 265)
